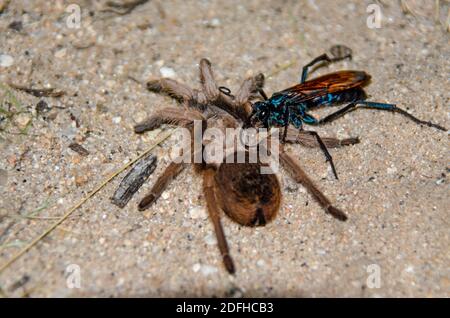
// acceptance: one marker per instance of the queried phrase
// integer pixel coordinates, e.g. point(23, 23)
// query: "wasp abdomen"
point(347, 96)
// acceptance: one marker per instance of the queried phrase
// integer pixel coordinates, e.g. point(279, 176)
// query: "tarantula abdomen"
point(246, 195)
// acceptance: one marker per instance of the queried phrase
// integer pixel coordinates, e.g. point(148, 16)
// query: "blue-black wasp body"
point(292, 105)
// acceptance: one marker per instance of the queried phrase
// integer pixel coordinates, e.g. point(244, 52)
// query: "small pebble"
point(120, 282)
point(110, 83)
point(197, 212)
point(213, 23)
point(117, 120)
point(210, 239)
point(6, 60)
point(81, 179)
point(391, 170)
point(165, 195)
point(321, 252)
point(409, 269)
point(167, 71)
point(261, 263)
point(60, 53)
point(196, 267)
point(139, 116)
point(208, 270)
point(235, 292)
point(22, 120)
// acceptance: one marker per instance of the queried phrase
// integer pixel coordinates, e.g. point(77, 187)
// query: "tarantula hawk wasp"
point(291, 106)
point(240, 190)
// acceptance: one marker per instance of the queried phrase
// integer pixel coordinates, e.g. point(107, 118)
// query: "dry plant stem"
point(214, 214)
point(80, 203)
point(38, 92)
point(301, 177)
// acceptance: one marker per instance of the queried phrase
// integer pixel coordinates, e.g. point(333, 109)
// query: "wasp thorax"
point(246, 195)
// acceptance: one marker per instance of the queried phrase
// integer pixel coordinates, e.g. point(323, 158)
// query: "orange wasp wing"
point(329, 83)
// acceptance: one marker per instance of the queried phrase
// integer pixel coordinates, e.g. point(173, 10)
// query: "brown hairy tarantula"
point(238, 189)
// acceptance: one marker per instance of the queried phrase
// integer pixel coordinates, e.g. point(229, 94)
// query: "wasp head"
point(260, 115)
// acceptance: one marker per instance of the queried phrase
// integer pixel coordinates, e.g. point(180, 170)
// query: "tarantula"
point(238, 189)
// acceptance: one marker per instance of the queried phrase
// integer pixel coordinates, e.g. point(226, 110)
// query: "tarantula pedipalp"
point(240, 190)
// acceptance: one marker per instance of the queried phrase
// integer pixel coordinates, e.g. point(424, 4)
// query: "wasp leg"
point(324, 149)
point(318, 59)
point(262, 93)
point(337, 114)
point(394, 108)
point(380, 106)
point(286, 120)
point(338, 56)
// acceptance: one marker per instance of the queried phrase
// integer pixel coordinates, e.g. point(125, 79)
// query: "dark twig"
point(38, 92)
point(134, 180)
point(79, 149)
point(123, 8)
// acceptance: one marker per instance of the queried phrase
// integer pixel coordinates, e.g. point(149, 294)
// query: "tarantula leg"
point(171, 88)
point(249, 89)
point(169, 115)
point(211, 89)
point(207, 80)
point(178, 91)
point(214, 214)
point(173, 170)
point(301, 177)
point(307, 140)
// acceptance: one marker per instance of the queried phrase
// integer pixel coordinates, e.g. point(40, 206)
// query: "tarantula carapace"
point(239, 189)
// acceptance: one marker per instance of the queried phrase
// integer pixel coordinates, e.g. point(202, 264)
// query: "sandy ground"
point(393, 185)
